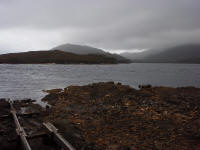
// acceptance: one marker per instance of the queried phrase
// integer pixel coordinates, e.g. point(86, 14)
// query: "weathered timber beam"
point(5, 116)
point(58, 137)
point(34, 136)
point(20, 131)
point(38, 135)
point(19, 114)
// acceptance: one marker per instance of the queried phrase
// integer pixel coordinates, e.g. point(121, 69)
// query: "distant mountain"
point(180, 54)
point(79, 49)
point(84, 50)
point(54, 56)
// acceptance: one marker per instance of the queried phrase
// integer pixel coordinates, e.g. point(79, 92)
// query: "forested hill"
point(55, 56)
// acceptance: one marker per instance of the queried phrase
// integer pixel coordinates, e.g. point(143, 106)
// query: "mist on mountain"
point(189, 53)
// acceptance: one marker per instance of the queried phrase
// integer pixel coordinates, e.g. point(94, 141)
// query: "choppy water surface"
point(28, 81)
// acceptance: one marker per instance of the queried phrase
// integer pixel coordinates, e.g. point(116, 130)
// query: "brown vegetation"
point(114, 116)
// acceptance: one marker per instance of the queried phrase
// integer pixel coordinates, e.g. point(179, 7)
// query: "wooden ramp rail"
point(20, 131)
point(64, 144)
point(52, 133)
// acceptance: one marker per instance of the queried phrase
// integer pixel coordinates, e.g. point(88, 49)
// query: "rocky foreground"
point(109, 116)
point(117, 117)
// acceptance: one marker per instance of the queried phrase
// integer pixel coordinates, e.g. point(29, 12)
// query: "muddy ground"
point(112, 116)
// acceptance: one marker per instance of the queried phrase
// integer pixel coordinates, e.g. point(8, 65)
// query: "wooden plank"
point(33, 136)
point(58, 137)
point(38, 135)
point(20, 114)
point(5, 116)
point(20, 131)
point(28, 114)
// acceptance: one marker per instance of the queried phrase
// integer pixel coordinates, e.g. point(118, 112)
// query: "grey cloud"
point(108, 24)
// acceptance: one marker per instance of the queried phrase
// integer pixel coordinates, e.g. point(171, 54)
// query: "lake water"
point(28, 81)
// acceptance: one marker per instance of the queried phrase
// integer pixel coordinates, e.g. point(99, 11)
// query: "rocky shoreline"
point(113, 116)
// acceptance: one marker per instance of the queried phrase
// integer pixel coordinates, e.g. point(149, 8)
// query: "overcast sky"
point(115, 25)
